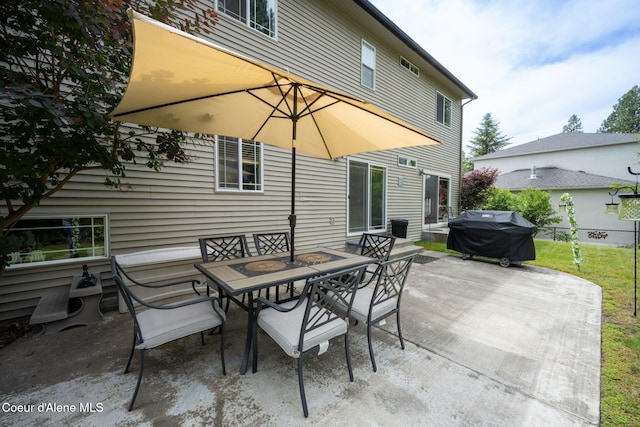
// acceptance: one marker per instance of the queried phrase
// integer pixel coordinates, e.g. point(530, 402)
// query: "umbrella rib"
point(276, 107)
point(336, 96)
point(308, 108)
point(283, 98)
point(198, 98)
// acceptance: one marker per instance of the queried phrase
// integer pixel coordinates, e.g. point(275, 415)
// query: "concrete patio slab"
point(485, 346)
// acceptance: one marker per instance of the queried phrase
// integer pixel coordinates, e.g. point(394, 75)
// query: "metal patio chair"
point(304, 325)
point(274, 243)
point(158, 324)
point(377, 246)
point(380, 298)
point(220, 248)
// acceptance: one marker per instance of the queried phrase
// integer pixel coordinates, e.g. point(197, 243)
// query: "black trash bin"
point(494, 234)
point(399, 228)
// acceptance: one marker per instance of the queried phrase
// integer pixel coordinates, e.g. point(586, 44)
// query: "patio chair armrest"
point(217, 307)
point(174, 305)
point(265, 302)
point(370, 274)
point(193, 282)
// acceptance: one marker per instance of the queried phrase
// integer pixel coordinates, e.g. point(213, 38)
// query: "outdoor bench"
point(160, 267)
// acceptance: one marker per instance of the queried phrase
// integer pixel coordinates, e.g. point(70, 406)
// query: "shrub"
point(532, 204)
point(500, 199)
point(535, 205)
point(475, 184)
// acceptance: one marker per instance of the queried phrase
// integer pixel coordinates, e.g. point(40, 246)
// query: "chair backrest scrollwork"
point(220, 248)
point(272, 243)
point(376, 246)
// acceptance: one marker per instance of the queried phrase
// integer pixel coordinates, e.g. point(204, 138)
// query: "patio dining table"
point(240, 276)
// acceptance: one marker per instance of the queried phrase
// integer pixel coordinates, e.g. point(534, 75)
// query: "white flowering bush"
point(567, 199)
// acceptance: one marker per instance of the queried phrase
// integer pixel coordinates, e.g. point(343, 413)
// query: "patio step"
point(436, 234)
point(398, 252)
point(401, 247)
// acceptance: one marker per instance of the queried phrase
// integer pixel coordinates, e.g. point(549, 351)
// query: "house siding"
point(607, 160)
point(321, 41)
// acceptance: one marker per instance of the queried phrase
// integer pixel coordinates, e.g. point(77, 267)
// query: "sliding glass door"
point(436, 198)
point(367, 197)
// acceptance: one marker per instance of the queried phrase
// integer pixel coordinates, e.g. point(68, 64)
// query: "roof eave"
point(395, 30)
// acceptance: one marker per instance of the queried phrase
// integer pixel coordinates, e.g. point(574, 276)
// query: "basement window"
point(40, 240)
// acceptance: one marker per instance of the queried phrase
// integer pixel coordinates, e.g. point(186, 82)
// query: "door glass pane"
point(430, 199)
point(357, 197)
point(377, 219)
point(443, 198)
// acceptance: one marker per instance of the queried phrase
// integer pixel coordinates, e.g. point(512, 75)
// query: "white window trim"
point(408, 164)
point(446, 98)
point(386, 196)
point(411, 67)
point(247, 24)
point(374, 69)
point(78, 260)
point(240, 189)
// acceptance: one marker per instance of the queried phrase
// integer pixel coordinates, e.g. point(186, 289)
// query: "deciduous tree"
point(475, 184)
point(64, 65)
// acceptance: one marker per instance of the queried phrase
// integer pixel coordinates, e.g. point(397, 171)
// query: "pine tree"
point(467, 163)
point(574, 125)
point(488, 137)
point(625, 117)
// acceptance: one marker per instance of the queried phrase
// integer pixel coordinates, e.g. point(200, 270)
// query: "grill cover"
point(493, 234)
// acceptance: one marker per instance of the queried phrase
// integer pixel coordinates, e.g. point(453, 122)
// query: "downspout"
point(460, 152)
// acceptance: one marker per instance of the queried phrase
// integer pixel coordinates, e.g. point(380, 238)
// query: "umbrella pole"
point(294, 128)
point(292, 217)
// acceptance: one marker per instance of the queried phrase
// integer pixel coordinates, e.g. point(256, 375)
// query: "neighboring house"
point(244, 187)
point(586, 165)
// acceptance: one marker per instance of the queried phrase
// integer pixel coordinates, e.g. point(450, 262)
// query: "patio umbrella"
point(182, 82)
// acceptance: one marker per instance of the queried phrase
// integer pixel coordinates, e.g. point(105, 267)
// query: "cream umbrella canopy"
point(185, 83)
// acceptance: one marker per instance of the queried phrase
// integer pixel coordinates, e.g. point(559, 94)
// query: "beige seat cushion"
point(162, 326)
point(360, 308)
point(284, 328)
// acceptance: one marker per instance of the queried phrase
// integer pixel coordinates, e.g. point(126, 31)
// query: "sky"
point(532, 64)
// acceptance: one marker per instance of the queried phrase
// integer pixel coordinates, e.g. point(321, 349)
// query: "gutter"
point(460, 151)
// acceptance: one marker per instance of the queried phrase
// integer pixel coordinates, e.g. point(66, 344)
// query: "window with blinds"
point(239, 164)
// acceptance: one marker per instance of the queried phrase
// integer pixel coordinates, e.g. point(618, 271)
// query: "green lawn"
point(612, 269)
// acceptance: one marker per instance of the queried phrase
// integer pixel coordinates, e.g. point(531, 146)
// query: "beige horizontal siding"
point(179, 204)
